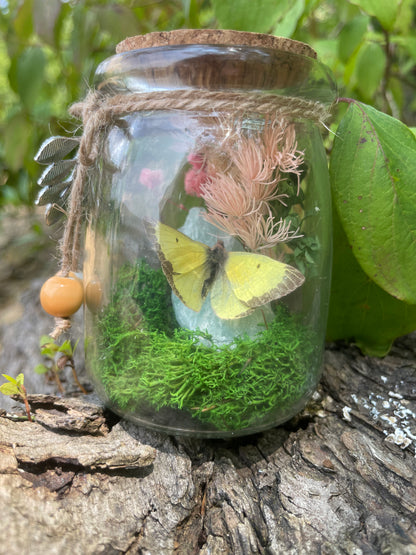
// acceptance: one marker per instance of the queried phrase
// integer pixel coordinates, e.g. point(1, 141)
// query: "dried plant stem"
point(58, 382)
point(75, 375)
point(26, 402)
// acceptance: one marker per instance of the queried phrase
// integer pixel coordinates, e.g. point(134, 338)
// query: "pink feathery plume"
point(239, 199)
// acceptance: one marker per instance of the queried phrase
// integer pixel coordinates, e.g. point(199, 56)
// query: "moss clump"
point(145, 360)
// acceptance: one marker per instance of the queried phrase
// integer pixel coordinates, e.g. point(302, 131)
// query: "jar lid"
point(220, 37)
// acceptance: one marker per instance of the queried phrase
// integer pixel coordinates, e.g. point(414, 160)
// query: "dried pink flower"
point(194, 181)
point(197, 175)
point(238, 194)
point(256, 230)
point(151, 178)
point(251, 163)
point(224, 196)
point(280, 145)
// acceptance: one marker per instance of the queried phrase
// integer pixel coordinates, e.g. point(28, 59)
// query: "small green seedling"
point(15, 386)
point(58, 357)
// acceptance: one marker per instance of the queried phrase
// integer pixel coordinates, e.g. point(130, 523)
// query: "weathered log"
point(339, 478)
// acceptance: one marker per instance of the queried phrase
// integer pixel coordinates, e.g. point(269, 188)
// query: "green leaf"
point(370, 67)
point(41, 369)
point(66, 348)
point(359, 310)
point(246, 15)
point(327, 51)
point(351, 37)
point(48, 347)
point(404, 23)
point(16, 136)
point(10, 378)
point(20, 379)
point(384, 10)
point(23, 21)
point(289, 20)
point(46, 340)
point(408, 43)
point(30, 75)
point(64, 16)
point(373, 179)
point(9, 389)
point(116, 20)
point(191, 13)
point(49, 352)
point(83, 35)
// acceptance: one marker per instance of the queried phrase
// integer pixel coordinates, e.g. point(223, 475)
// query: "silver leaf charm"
point(56, 180)
point(55, 173)
point(53, 193)
point(56, 148)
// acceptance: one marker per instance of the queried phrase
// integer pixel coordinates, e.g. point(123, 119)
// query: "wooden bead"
point(62, 296)
point(93, 295)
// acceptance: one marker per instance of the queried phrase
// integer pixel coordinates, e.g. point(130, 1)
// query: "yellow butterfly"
point(239, 282)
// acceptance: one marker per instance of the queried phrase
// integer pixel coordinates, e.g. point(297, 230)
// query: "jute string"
point(98, 111)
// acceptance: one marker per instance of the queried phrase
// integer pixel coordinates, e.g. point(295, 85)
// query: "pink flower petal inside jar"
point(150, 178)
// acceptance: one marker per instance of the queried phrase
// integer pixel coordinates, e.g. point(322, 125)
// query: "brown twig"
point(26, 402)
point(58, 382)
point(74, 373)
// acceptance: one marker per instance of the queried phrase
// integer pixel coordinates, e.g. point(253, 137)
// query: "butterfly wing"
point(254, 280)
point(183, 262)
point(224, 302)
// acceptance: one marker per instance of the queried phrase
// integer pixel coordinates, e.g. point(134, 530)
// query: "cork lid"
point(214, 37)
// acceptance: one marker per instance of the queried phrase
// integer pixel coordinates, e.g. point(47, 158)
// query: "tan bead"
point(93, 295)
point(62, 296)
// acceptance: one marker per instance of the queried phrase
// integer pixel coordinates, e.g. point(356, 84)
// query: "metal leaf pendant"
point(56, 180)
point(56, 148)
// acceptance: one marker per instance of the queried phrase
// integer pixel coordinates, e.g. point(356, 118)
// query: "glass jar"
point(208, 239)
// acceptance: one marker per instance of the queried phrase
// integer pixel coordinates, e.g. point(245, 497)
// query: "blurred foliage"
point(49, 51)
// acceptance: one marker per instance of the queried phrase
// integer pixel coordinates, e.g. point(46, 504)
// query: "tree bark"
point(339, 478)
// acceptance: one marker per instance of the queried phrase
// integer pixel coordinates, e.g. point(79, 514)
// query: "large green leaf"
point(408, 43)
point(23, 24)
point(246, 15)
point(288, 21)
point(351, 36)
point(370, 68)
point(373, 179)
point(30, 75)
point(359, 310)
point(384, 10)
point(17, 136)
point(117, 21)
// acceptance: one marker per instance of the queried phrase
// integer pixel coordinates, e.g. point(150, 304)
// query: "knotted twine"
point(98, 111)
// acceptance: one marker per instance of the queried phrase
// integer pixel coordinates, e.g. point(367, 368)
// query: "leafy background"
point(49, 50)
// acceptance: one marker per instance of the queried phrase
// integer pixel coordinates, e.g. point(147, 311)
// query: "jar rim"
point(220, 37)
point(217, 68)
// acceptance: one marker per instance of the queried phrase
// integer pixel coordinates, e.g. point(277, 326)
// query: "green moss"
point(146, 361)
